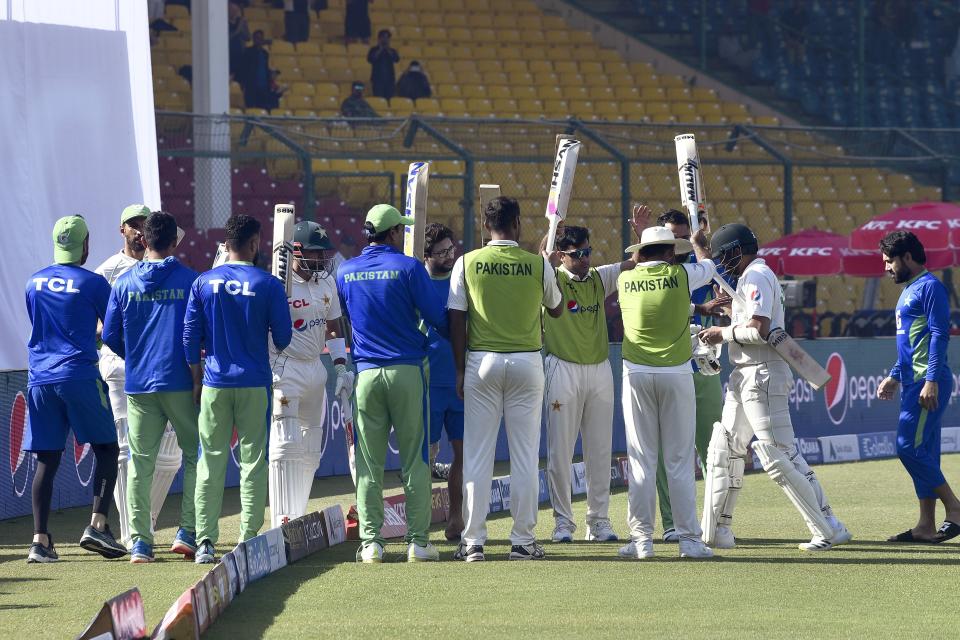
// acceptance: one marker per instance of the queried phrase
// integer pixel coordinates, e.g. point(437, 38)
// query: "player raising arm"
point(299, 376)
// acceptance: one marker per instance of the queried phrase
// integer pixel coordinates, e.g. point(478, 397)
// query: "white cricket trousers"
point(660, 411)
point(578, 398)
point(507, 385)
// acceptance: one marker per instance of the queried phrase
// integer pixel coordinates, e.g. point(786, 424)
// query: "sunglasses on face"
point(579, 254)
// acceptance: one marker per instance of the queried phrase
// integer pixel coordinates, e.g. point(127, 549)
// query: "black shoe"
point(531, 551)
point(40, 553)
point(102, 542)
point(441, 471)
point(473, 553)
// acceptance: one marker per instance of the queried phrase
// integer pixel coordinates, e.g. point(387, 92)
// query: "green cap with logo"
point(69, 233)
point(384, 217)
point(134, 211)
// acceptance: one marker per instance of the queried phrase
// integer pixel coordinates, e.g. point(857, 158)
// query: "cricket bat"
point(282, 268)
point(787, 348)
point(221, 257)
point(416, 207)
point(346, 418)
point(487, 193)
point(691, 181)
point(561, 185)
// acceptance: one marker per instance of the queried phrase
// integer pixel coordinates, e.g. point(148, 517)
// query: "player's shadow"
point(267, 598)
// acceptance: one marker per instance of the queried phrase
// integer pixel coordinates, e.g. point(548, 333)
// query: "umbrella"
point(869, 264)
point(936, 224)
point(810, 252)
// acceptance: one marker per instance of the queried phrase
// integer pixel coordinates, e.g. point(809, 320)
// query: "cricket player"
point(231, 311)
point(113, 372)
point(658, 398)
point(578, 390)
point(756, 403)
point(64, 388)
point(144, 327)
point(385, 294)
point(707, 387)
point(499, 289)
point(446, 407)
point(299, 376)
point(923, 331)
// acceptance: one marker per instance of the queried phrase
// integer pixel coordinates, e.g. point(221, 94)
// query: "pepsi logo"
point(19, 472)
point(572, 306)
point(300, 325)
point(834, 394)
point(83, 460)
point(234, 450)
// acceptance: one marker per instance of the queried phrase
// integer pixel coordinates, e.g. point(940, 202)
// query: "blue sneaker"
point(40, 553)
point(205, 553)
point(141, 552)
point(184, 543)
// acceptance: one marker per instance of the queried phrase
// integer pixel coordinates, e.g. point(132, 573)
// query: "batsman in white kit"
point(756, 402)
point(299, 376)
point(112, 369)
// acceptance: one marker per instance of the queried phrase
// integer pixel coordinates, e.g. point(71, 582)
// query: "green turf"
point(765, 588)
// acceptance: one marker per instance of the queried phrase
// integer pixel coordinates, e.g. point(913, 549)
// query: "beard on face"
point(900, 275)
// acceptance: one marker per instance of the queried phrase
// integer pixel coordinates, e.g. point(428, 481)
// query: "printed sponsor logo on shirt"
point(574, 307)
point(232, 287)
point(56, 285)
point(302, 325)
point(386, 274)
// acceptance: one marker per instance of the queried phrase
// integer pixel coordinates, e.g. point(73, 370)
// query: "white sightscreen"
point(77, 135)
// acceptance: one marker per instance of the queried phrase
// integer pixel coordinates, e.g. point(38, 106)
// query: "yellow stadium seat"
point(657, 108)
point(302, 88)
point(602, 92)
point(581, 107)
point(520, 79)
point(326, 103)
point(679, 94)
point(379, 104)
point(495, 91)
point(505, 106)
point(530, 106)
point(453, 105)
point(556, 107)
point(496, 78)
point(460, 66)
point(653, 94)
point(702, 94)
point(429, 106)
point(523, 91)
point(479, 105)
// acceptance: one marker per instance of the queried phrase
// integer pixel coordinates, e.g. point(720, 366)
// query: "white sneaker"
point(634, 551)
point(426, 553)
point(694, 548)
point(841, 534)
point(370, 553)
point(816, 544)
point(563, 531)
point(724, 539)
point(671, 535)
point(601, 531)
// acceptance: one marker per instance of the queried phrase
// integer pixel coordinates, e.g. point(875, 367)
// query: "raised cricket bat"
point(788, 348)
point(561, 185)
point(691, 181)
point(416, 208)
point(282, 268)
point(346, 417)
point(221, 257)
point(487, 193)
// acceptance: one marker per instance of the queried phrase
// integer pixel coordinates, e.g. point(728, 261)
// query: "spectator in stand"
point(239, 35)
point(296, 21)
point(357, 22)
point(382, 59)
point(730, 48)
point(318, 6)
point(355, 106)
point(254, 73)
point(414, 83)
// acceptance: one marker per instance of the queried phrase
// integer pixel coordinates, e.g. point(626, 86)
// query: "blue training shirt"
point(699, 296)
point(230, 310)
point(439, 350)
point(64, 303)
point(384, 294)
point(923, 331)
point(144, 325)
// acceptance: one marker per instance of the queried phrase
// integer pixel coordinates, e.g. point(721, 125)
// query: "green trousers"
point(709, 394)
point(147, 417)
point(220, 411)
point(393, 396)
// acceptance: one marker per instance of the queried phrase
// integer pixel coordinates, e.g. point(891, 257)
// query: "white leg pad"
point(784, 472)
point(168, 463)
point(287, 467)
point(804, 468)
point(120, 488)
point(721, 485)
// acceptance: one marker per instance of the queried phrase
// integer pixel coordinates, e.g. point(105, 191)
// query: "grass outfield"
point(765, 588)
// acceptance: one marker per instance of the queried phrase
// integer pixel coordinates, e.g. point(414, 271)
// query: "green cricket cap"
point(384, 217)
point(134, 211)
point(69, 233)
